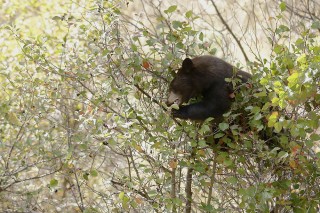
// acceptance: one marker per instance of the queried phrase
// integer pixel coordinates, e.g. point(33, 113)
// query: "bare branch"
point(230, 31)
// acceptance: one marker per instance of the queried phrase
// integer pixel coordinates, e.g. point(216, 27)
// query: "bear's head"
point(182, 87)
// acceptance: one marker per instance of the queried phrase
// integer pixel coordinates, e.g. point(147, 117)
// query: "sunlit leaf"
point(272, 119)
point(293, 79)
point(94, 173)
point(173, 164)
point(189, 14)
point(282, 6)
point(53, 182)
point(171, 9)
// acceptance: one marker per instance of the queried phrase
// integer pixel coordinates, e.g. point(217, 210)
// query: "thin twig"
point(230, 31)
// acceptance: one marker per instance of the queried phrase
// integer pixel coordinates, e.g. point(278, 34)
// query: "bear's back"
point(217, 68)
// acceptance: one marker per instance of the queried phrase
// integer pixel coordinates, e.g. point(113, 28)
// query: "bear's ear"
point(187, 65)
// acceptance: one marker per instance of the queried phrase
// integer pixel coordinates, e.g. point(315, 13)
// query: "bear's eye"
point(181, 84)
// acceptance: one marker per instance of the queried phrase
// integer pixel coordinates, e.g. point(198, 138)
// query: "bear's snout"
point(173, 98)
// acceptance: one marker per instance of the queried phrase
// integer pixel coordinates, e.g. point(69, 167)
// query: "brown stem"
point(212, 179)
point(173, 189)
point(188, 190)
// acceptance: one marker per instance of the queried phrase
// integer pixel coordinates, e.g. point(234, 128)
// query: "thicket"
point(84, 126)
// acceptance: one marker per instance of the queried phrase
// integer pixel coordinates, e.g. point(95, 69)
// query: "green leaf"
point(241, 171)
point(284, 141)
point(278, 49)
point(300, 43)
point(264, 81)
point(293, 79)
point(202, 143)
point(94, 173)
point(282, 28)
point(255, 109)
point(283, 6)
point(282, 155)
point(180, 45)
point(315, 137)
point(187, 29)
point(275, 101)
point(121, 195)
point(205, 128)
point(177, 24)
point(201, 36)
point(91, 210)
point(134, 48)
point(223, 126)
point(260, 94)
point(278, 127)
point(56, 18)
point(272, 119)
point(302, 59)
point(199, 167)
point(315, 25)
point(189, 14)
point(228, 162)
point(13, 119)
point(53, 183)
point(232, 180)
point(194, 143)
point(7, 27)
point(219, 135)
point(86, 176)
point(171, 9)
point(207, 208)
point(248, 144)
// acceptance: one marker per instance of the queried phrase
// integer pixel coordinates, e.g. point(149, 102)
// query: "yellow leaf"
point(138, 200)
point(275, 100)
point(44, 124)
point(201, 152)
point(273, 118)
point(173, 164)
point(302, 59)
point(13, 119)
point(295, 149)
point(293, 164)
point(293, 79)
point(121, 195)
point(138, 148)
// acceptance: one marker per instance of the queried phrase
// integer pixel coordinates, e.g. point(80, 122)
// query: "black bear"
point(203, 76)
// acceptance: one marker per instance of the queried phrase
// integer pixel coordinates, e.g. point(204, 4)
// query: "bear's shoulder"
point(212, 66)
point(206, 60)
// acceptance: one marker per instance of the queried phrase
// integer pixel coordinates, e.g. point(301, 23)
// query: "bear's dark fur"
point(203, 76)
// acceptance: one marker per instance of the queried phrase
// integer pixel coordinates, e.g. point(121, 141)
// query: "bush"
point(84, 124)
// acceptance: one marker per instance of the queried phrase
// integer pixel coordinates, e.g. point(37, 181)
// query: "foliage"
point(84, 126)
